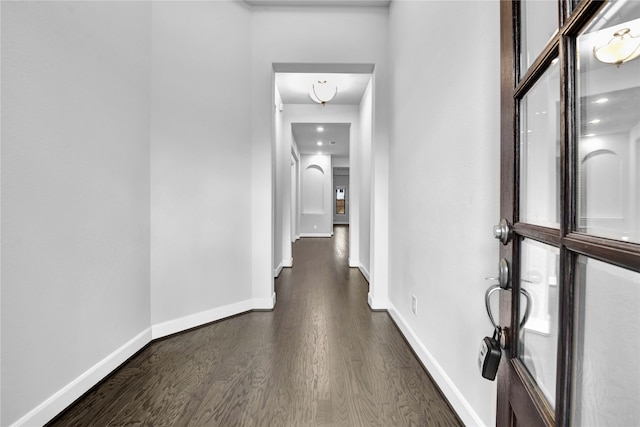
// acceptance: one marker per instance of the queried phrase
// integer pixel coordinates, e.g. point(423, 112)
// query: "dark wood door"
point(570, 189)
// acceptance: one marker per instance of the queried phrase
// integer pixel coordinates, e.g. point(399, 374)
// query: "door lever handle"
point(487, 305)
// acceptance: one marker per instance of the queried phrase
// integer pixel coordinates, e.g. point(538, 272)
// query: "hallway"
point(322, 357)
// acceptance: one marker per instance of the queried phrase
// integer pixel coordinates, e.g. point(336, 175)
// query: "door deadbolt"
point(502, 231)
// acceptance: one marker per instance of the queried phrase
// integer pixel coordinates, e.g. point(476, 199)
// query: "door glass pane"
point(608, 100)
point(538, 24)
point(539, 334)
point(540, 151)
point(606, 379)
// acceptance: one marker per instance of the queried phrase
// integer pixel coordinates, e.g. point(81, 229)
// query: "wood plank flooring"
point(320, 358)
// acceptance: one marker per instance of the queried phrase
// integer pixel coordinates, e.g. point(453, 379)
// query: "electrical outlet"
point(414, 305)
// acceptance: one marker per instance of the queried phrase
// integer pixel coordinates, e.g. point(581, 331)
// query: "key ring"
point(494, 288)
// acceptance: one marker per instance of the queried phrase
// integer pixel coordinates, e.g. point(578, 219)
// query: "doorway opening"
point(322, 158)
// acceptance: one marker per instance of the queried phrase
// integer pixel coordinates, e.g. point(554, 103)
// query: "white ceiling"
point(294, 89)
point(307, 137)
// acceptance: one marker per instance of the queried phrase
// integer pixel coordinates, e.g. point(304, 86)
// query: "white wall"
point(200, 168)
point(75, 196)
point(282, 252)
point(361, 179)
point(444, 190)
point(282, 35)
point(316, 218)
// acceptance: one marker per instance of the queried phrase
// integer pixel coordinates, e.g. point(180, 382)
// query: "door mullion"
point(565, 339)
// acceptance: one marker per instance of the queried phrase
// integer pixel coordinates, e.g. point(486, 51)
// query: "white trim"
point(316, 234)
point(364, 272)
point(60, 400)
point(278, 269)
point(198, 319)
point(64, 397)
point(288, 263)
point(264, 303)
point(353, 264)
point(454, 396)
point(377, 303)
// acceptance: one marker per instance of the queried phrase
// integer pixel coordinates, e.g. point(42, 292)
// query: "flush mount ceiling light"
point(323, 92)
point(623, 47)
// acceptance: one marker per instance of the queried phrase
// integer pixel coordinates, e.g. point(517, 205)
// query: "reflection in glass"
point(608, 118)
point(540, 151)
point(539, 335)
point(539, 23)
point(606, 378)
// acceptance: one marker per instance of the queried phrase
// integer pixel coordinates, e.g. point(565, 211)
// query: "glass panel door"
point(570, 187)
point(540, 151)
point(539, 270)
point(608, 106)
point(606, 384)
point(538, 24)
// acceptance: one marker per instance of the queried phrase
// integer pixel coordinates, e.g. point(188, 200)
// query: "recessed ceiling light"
point(319, 143)
point(594, 121)
point(589, 135)
point(319, 128)
point(601, 101)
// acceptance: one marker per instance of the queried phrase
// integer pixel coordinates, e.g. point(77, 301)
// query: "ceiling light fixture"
point(319, 143)
point(320, 129)
point(623, 47)
point(323, 92)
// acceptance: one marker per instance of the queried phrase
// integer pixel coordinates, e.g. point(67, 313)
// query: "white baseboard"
point(51, 407)
point(198, 319)
point(377, 303)
point(285, 263)
point(464, 410)
point(278, 270)
point(364, 272)
point(316, 234)
point(264, 303)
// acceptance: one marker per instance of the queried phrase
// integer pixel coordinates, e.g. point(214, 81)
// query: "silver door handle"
point(487, 304)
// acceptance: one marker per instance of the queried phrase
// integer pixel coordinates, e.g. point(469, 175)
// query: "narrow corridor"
point(322, 357)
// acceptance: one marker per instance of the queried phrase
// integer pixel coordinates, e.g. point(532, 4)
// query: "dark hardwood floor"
point(320, 358)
